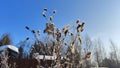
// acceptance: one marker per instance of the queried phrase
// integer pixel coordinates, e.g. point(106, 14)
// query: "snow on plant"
point(60, 38)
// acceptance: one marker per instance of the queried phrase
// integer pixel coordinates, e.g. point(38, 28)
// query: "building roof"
point(10, 47)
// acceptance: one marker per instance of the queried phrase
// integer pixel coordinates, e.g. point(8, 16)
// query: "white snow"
point(46, 57)
point(10, 47)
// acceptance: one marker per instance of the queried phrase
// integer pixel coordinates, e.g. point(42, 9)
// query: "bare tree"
point(87, 47)
point(5, 40)
point(114, 54)
point(99, 52)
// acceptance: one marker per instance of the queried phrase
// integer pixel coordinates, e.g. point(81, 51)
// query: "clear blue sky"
point(102, 17)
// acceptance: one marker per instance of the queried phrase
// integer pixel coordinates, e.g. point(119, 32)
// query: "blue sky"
point(101, 17)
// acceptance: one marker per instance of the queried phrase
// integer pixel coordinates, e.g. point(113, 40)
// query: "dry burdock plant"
point(62, 43)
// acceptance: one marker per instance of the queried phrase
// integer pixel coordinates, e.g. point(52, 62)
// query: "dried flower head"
point(38, 32)
point(43, 14)
point(51, 18)
point(65, 43)
point(68, 26)
point(54, 11)
point(71, 34)
point(78, 26)
point(58, 34)
point(49, 28)
point(87, 56)
point(73, 46)
point(27, 27)
point(45, 9)
point(73, 43)
point(33, 31)
point(78, 21)
point(50, 25)
point(82, 26)
point(73, 49)
point(66, 29)
point(27, 38)
point(79, 38)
